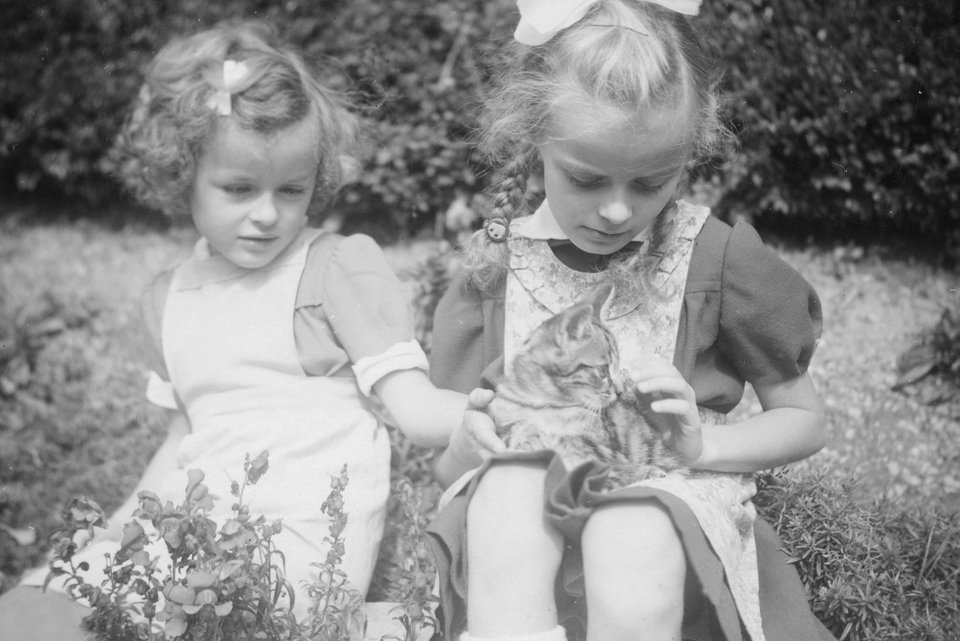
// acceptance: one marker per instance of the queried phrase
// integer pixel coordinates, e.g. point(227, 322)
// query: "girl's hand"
point(477, 432)
point(673, 407)
point(474, 440)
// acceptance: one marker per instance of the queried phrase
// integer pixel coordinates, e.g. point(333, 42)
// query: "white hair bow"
point(540, 20)
point(233, 73)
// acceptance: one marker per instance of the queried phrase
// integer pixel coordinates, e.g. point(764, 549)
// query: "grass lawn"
point(73, 421)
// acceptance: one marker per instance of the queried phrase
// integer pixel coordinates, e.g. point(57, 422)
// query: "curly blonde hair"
point(156, 152)
point(622, 59)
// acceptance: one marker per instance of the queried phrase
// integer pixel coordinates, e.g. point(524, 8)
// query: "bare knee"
point(508, 500)
point(512, 554)
point(506, 515)
point(634, 570)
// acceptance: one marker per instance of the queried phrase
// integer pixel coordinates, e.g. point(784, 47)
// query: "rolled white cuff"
point(400, 356)
point(160, 392)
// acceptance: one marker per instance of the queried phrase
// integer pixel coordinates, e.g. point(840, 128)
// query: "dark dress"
point(746, 316)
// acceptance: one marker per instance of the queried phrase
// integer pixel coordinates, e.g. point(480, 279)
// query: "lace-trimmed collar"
point(556, 286)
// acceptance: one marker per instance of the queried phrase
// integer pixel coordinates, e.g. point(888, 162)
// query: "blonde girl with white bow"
point(272, 335)
point(608, 102)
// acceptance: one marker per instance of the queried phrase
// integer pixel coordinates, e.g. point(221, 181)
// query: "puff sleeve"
point(770, 316)
point(369, 310)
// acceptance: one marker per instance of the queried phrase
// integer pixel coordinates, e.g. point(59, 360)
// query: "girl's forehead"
point(606, 136)
point(232, 143)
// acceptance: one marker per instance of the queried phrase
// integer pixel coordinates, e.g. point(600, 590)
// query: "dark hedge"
point(848, 112)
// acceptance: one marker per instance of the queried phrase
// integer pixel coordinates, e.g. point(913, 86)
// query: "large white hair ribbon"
point(541, 20)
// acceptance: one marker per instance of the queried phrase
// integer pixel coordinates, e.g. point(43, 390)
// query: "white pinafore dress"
point(539, 286)
point(229, 347)
point(228, 342)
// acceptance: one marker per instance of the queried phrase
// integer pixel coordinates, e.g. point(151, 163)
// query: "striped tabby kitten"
point(564, 392)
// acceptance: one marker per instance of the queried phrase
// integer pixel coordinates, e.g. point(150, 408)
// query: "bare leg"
point(634, 571)
point(513, 555)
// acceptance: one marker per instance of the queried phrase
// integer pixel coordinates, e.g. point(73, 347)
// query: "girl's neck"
point(579, 260)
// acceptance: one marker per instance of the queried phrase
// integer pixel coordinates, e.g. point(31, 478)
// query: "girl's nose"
point(264, 211)
point(616, 211)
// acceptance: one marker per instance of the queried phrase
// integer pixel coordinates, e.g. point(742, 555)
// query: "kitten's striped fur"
point(565, 392)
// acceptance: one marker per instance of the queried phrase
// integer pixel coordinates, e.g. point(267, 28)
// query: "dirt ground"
point(874, 309)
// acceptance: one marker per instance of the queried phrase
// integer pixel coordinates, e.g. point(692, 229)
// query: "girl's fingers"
point(489, 442)
point(479, 398)
point(671, 406)
point(482, 430)
point(667, 385)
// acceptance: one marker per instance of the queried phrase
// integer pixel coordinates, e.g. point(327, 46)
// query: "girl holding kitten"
point(608, 102)
point(272, 335)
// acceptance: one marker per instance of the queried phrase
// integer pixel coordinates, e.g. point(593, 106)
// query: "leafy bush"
point(417, 70)
point(225, 580)
point(848, 113)
point(62, 417)
point(412, 70)
point(877, 571)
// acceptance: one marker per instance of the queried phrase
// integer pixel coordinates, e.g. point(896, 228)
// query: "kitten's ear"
point(601, 298)
point(576, 322)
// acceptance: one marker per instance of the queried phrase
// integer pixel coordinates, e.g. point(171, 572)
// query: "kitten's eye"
point(591, 374)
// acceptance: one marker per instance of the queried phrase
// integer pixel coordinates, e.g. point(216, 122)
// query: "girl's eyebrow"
point(573, 165)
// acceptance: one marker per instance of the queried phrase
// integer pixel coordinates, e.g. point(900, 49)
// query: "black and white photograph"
point(479, 320)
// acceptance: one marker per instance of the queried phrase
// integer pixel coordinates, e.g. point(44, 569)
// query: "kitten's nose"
point(617, 379)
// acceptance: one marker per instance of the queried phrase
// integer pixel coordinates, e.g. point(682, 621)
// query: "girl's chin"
point(600, 245)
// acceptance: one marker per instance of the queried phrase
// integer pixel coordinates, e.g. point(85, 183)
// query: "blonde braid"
point(484, 259)
point(636, 267)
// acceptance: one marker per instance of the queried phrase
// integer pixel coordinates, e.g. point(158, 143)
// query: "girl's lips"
point(597, 233)
point(258, 243)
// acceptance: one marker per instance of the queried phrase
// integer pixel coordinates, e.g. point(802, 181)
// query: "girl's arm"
point(425, 414)
point(433, 417)
point(474, 440)
point(789, 429)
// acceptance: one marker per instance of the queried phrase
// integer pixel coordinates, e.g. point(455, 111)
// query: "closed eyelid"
point(585, 175)
point(650, 186)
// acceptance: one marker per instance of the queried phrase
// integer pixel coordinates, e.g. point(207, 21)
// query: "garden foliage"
point(847, 111)
point(224, 580)
point(63, 417)
point(879, 571)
